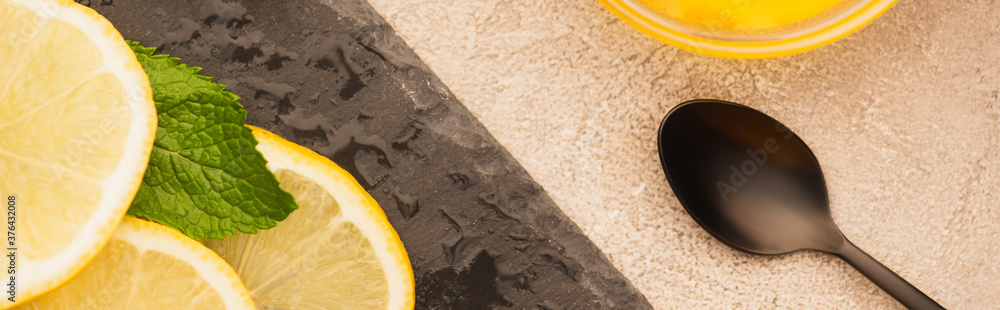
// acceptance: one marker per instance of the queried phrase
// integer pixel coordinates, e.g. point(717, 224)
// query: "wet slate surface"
point(333, 76)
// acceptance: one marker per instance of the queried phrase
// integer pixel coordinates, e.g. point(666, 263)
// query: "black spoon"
point(754, 185)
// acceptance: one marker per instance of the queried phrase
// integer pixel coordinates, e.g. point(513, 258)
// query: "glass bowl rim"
point(836, 26)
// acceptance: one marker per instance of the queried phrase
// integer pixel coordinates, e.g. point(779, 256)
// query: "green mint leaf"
point(205, 176)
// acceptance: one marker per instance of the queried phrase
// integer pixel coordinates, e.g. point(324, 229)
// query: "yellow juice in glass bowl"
point(742, 14)
point(748, 28)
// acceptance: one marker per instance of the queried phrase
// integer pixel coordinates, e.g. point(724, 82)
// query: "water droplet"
point(567, 266)
point(335, 55)
point(474, 287)
point(492, 201)
point(550, 305)
point(453, 250)
point(188, 31)
point(462, 179)
point(231, 14)
point(274, 57)
point(403, 143)
point(347, 141)
point(279, 93)
point(406, 204)
point(508, 277)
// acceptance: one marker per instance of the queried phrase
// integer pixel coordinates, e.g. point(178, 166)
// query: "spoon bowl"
point(756, 186)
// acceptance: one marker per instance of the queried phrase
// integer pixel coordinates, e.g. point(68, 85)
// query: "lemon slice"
point(77, 123)
point(150, 266)
point(337, 251)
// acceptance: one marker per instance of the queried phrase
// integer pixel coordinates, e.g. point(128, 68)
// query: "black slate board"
point(333, 76)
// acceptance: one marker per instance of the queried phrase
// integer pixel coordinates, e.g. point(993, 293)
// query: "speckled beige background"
point(904, 116)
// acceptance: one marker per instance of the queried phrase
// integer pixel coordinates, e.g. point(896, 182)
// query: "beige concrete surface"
point(904, 116)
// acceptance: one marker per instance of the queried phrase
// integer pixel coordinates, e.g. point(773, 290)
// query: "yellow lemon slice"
point(337, 251)
point(150, 266)
point(77, 123)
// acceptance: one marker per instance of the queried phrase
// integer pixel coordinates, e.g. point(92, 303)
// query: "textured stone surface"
point(903, 116)
point(334, 77)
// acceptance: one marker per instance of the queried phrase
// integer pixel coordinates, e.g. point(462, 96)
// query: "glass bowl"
point(835, 22)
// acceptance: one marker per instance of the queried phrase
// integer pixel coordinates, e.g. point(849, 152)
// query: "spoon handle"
point(903, 291)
